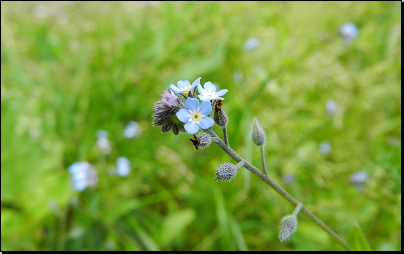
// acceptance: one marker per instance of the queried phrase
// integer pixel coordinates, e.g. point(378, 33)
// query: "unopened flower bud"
point(221, 118)
point(226, 172)
point(204, 140)
point(289, 226)
point(258, 134)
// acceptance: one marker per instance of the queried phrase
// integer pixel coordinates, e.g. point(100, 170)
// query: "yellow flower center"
point(196, 117)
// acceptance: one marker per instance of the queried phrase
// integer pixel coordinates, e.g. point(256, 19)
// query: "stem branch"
point(276, 187)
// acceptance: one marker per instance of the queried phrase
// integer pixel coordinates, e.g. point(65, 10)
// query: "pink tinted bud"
point(169, 99)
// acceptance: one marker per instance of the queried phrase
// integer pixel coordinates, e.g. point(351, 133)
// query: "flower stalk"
point(276, 187)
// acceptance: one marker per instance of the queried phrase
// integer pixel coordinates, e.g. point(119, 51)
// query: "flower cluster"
point(180, 110)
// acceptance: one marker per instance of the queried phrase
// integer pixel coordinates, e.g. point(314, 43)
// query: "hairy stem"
point(276, 187)
point(225, 138)
point(264, 166)
point(297, 209)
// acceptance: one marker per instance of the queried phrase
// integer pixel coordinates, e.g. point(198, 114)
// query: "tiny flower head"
point(195, 116)
point(183, 86)
point(166, 117)
point(170, 99)
point(209, 93)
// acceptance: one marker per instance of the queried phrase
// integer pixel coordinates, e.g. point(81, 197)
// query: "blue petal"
point(204, 98)
point(206, 122)
point(221, 92)
point(183, 115)
point(80, 185)
point(196, 82)
point(175, 89)
point(183, 84)
point(192, 104)
point(200, 89)
point(191, 127)
point(205, 108)
point(209, 87)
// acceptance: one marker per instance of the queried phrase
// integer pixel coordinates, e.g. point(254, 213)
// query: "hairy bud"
point(226, 172)
point(289, 226)
point(220, 116)
point(204, 140)
point(258, 134)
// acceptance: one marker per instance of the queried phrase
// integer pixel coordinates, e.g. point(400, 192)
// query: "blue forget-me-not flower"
point(209, 92)
point(251, 43)
point(122, 166)
point(83, 175)
point(183, 86)
point(195, 116)
point(349, 32)
point(132, 130)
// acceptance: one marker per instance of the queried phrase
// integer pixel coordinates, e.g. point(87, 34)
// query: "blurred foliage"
point(69, 69)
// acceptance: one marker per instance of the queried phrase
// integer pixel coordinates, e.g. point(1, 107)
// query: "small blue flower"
point(83, 175)
point(360, 177)
point(195, 116)
point(252, 43)
point(331, 107)
point(325, 147)
point(209, 92)
point(183, 86)
point(349, 32)
point(122, 166)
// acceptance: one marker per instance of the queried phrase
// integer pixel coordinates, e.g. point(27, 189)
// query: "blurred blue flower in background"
point(251, 43)
point(349, 32)
point(103, 141)
point(195, 116)
point(288, 178)
point(325, 147)
point(83, 175)
point(331, 107)
point(122, 166)
point(132, 130)
point(360, 177)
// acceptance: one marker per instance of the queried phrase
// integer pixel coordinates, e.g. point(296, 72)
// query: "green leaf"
point(357, 240)
point(174, 224)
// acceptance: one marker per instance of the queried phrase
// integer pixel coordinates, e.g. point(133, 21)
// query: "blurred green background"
point(69, 69)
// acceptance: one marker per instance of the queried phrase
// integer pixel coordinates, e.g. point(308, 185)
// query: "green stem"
point(297, 209)
point(264, 166)
point(276, 187)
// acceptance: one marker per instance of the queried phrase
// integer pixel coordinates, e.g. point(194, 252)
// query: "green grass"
point(62, 81)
